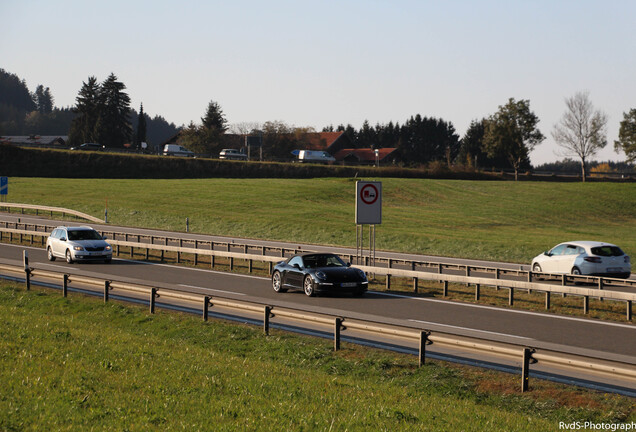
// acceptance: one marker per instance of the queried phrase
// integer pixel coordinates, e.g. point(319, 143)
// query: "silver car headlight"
point(107, 248)
point(78, 248)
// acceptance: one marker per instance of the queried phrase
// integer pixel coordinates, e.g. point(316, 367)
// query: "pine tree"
point(87, 108)
point(214, 118)
point(141, 128)
point(114, 128)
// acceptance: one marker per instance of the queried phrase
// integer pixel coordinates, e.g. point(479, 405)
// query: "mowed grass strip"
point(491, 220)
point(77, 364)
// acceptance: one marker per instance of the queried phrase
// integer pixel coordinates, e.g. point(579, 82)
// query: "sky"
point(319, 63)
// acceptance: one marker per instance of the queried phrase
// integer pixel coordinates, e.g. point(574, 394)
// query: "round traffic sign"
point(369, 194)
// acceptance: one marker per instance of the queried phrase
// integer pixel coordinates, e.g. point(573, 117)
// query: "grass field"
point(473, 219)
point(77, 364)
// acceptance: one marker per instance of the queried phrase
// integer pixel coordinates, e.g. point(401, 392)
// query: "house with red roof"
point(367, 156)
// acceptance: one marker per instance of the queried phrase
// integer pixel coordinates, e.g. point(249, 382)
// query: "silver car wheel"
point(537, 268)
point(49, 254)
point(308, 285)
point(576, 271)
point(69, 258)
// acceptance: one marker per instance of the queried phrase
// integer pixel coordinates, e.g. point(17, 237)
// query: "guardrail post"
point(27, 270)
point(530, 276)
point(132, 252)
point(336, 333)
point(65, 286)
point(178, 252)
point(106, 289)
point(196, 258)
point(271, 267)
point(249, 266)
point(415, 283)
point(267, 314)
point(153, 294)
point(511, 296)
point(445, 288)
point(497, 275)
point(629, 310)
point(525, 369)
point(147, 254)
point(547, 300)
point(564, 280)
point(206, 307)
point(388, 282)
point(231, 263)
point(586, 305)
point(162, 255)
point(477, 291)
point(600, 287)
point(423, 342)
point(439, 268)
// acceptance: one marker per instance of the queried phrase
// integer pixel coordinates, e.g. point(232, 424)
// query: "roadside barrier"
point(526, 355)
point(479, 277)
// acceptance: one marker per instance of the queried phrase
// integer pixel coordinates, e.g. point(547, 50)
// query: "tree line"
point(23, 112)
point(502, 140)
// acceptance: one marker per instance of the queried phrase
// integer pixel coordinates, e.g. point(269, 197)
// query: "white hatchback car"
point(584, 258)
point(78, 244)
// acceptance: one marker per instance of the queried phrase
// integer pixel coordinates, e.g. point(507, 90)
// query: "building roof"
point(364, 155)
point(322, 140)
point(33, 139)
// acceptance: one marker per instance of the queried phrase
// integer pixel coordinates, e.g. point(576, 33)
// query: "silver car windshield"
point(84, 235)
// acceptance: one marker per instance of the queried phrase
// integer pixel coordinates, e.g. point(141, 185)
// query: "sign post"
point(368, 212)
point(4, 188)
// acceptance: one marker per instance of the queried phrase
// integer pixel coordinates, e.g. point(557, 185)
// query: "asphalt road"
point(532, 329)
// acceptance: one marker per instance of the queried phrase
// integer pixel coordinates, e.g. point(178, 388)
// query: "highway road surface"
point(616, 341)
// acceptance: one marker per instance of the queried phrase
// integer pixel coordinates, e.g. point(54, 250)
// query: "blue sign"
point(4, 185)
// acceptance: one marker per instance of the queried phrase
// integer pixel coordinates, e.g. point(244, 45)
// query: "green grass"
point(495, 220)
point(77, 364)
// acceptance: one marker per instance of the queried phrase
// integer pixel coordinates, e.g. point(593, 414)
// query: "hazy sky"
point(331, 62)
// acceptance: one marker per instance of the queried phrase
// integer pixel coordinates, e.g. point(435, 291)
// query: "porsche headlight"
point(321, 275)
point(362, 274)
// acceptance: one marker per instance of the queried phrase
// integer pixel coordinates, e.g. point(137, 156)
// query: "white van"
point(176, 150)
point(315, 156)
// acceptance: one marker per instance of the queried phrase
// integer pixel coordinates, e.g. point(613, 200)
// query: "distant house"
point(367, 156)
point(35, 140)
point(331, 142)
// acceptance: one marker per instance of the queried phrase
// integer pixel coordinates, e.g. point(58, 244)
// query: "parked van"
point(176, 150)
point(315, 156)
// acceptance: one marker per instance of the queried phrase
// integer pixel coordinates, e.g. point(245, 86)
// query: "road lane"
point(425, 313)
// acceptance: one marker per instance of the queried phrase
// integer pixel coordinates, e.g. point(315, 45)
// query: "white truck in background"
point(314, 156)
point(176, 150)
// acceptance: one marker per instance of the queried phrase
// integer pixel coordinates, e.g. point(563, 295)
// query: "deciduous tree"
point(581, 131)
point(627, 136)
point(512, 133)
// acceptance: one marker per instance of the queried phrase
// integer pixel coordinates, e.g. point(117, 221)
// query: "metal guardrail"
point(50, 210)
point(527, 283)
point(527, 355)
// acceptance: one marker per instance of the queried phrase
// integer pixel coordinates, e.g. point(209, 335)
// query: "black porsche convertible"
point(317, 273)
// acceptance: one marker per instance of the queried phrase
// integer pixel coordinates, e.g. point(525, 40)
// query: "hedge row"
point(24, 162)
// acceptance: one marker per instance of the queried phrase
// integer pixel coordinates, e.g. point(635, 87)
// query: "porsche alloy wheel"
point(308, 286)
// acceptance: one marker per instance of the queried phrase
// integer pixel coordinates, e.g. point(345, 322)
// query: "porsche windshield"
point(323, 260)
